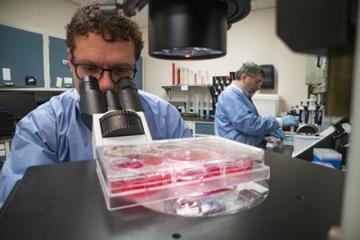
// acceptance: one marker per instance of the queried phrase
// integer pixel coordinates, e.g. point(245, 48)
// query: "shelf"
point(183, 88)
point(34, 89)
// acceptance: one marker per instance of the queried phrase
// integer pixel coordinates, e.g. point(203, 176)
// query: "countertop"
point(65, 201)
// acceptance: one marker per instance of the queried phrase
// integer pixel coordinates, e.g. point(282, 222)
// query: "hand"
point(289, 120)
point(278, 133)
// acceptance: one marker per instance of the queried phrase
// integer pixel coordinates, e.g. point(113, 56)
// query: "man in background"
point(107, 48)
point(236, 117)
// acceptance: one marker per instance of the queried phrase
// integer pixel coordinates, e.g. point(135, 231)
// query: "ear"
point(243, 76)
point(70, 59)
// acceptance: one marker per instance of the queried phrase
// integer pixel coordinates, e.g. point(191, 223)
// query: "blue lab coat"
point(236, 118)
point(54, 132)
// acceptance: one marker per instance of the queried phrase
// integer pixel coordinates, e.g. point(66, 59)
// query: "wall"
point(48, 16)
point(254, 38)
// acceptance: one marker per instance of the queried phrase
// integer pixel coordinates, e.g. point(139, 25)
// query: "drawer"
point(204, 128)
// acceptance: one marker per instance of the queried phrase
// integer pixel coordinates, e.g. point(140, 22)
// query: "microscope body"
point(116, 118)
point(121, 138)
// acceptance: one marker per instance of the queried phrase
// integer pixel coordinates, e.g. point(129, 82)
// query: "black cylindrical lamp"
point(187, 29)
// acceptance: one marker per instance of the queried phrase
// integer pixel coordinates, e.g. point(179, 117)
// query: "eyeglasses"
point(259, 81)
point(116, 74)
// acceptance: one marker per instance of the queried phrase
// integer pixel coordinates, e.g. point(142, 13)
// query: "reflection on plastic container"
point(144, 182)
point(217, 202)
point(134, 161)
point(189, 154)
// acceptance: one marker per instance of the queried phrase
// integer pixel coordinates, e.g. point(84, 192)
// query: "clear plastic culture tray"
point(131, 175)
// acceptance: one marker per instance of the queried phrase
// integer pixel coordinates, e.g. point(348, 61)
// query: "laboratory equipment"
point(310, 116)
point(336, 136)
point(327, 156)
point(204, 38)
point(115, 116)
point(307, 129)
point(220, 175)
point(217, 175)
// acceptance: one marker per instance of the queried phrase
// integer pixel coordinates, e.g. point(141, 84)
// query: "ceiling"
point(142, 16)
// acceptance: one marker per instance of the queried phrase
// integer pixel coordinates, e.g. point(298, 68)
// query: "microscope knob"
point(121, 123)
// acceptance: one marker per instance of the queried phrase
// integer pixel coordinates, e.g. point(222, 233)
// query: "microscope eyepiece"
point(129, 96)
point(92, 100)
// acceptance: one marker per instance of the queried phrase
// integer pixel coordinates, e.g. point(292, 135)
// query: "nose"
point(105, 82)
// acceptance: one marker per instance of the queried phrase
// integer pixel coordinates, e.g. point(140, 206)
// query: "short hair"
point(250, 69)
point(89, 18)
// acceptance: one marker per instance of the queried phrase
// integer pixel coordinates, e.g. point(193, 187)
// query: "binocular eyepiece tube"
point(93, 100)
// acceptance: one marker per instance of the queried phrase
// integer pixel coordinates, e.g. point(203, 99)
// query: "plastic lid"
point(168, 168)
point(326, 153)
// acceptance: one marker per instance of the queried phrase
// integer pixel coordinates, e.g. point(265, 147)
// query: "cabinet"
point(201, 127)
point(60, 74)
point(37, 62)
point(204, 128)
point(21, 59)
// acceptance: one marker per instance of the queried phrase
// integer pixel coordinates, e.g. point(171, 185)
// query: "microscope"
point(200, 176)
point(114, 117)
point(186, 176)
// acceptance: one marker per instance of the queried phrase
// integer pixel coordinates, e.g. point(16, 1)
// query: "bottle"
point(173, 82)
point(306, 114)
point(301, 111)
point(208, 108)
point(201, 108)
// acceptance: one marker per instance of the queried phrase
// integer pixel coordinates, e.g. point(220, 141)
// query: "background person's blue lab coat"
point(236, 118)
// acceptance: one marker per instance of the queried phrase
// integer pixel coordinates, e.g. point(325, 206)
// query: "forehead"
point(259, 75)
point(255, 76)
point(94, 47)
